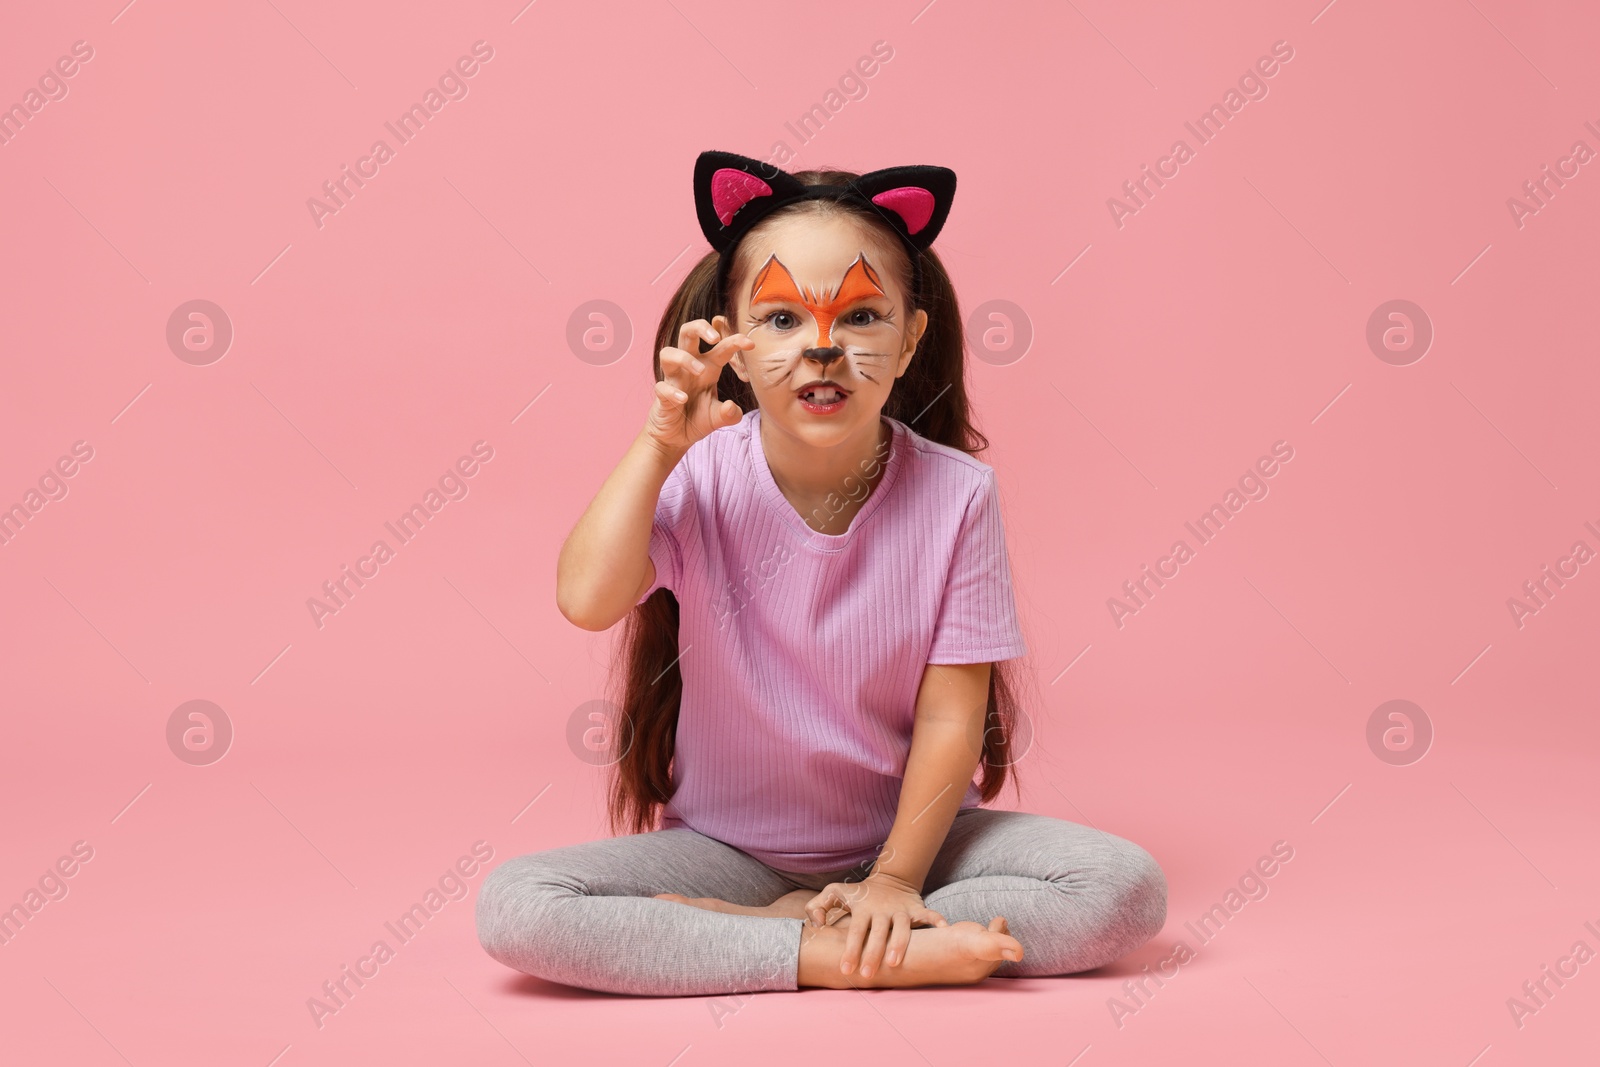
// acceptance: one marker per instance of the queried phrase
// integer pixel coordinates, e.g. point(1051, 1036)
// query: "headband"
point(732, 193)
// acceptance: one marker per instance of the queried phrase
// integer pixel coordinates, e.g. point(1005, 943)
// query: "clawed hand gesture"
point(686, 407)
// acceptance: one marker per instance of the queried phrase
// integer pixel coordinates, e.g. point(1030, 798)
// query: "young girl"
point(814, 571)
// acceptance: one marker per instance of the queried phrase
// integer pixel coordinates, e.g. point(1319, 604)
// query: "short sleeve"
point(978, 613)
point(672, 529)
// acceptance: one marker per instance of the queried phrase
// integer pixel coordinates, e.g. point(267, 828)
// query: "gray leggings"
point(585, 915)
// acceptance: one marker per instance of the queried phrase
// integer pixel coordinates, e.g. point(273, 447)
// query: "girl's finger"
point(731, 341)
point(677, 367)
point(689, 365)
point(728, 413)
point(931, 917)
point(817, 907)
point(715, 358)
point(672, 369)
point(691, 333)
point(854, 939)
point(898, 940)
point(877, 938)
point(670, 395)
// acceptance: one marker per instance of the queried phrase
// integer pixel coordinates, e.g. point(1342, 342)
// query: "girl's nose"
point(824, 356)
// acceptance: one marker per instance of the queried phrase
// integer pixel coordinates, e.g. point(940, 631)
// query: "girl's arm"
point(946, 745)
point(605, 564)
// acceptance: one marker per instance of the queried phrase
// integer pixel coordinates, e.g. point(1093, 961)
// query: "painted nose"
point(824, 356)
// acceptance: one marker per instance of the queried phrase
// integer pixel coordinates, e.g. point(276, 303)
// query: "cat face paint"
point(775, 285)
point(855, 320)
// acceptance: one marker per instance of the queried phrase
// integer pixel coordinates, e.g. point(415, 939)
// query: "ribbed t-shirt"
point(802, 652)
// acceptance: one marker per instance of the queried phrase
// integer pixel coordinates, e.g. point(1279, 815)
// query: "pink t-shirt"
point(802, 652)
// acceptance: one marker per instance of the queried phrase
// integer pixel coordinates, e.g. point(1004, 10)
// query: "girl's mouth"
point(823, 399)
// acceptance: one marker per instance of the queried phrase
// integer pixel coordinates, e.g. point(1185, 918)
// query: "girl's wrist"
point(899, 881)
point(665, 454)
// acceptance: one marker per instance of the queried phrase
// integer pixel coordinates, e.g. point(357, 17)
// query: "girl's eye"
point(781, 320)
point(861, 317)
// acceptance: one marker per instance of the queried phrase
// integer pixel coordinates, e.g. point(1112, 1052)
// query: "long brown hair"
point(931, 398)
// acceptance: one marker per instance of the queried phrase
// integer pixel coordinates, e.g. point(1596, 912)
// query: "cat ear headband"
point(732, 193)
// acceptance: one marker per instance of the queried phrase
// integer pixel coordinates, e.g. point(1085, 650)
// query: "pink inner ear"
point(911, 203)
point(733, 189)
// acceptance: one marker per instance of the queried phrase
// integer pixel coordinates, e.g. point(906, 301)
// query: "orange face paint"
point(774, 284)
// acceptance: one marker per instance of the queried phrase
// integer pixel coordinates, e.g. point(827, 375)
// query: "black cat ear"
point(913, 199)
point(734, 192)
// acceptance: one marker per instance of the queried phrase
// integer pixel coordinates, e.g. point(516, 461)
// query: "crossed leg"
point(589, 915)
point(961, 954)
point(1074, 896)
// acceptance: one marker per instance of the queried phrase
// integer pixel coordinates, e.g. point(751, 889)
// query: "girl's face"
point(824, 304)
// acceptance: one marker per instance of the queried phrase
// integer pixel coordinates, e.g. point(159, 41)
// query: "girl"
point(813, 567)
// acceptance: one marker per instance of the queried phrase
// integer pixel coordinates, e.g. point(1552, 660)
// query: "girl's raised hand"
point(686, 407)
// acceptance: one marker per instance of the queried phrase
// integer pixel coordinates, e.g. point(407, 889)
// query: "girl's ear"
point(914, 331)
point(915, 200)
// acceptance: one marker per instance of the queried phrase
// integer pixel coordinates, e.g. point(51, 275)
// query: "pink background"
point(432, 309)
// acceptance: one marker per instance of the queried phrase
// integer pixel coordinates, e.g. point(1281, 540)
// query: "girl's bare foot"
point(962, 953)
point(788, 906)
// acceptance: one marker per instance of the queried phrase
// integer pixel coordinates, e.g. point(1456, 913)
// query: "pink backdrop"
point(1170, 344)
